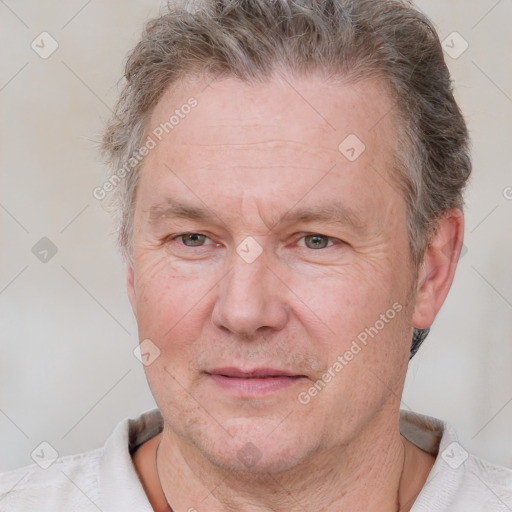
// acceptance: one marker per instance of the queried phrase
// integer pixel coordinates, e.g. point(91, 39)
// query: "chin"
point(256, 447)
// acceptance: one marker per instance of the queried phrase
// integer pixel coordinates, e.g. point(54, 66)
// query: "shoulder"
point(100, 479)
point(459, 480)
point(463, 482)
point(70, 483)
point(491, 482)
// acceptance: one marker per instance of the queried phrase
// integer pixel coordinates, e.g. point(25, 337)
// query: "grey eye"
point(317, 241)
point(195, 239)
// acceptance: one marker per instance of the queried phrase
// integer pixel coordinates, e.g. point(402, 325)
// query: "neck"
point(372, 472)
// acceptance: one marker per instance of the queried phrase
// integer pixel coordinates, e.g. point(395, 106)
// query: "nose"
point(252, 299)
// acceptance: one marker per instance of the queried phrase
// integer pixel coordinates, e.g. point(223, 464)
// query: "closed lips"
point(258, 373)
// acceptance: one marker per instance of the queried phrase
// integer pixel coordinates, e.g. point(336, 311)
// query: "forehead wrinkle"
point(274, 143)
point(174, 209)
point(335, 213)
point(332, 214)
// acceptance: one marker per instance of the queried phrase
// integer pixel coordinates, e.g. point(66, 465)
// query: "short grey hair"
point(348, 39)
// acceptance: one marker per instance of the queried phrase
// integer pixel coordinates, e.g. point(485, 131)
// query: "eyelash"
point(175, 237)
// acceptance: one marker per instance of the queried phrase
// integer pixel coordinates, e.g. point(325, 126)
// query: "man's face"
point(257, 290)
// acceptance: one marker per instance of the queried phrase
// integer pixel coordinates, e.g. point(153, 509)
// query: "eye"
point(316, 241)
point(192, 239)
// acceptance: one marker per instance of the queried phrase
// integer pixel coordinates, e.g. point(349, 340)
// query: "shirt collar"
point(120, 486)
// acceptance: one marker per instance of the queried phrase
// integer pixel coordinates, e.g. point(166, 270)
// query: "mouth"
point(255, 382)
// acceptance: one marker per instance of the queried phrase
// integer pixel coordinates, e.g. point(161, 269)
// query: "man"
point(289, 180)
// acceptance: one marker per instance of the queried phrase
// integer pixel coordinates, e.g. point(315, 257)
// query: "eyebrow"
point(331, 213)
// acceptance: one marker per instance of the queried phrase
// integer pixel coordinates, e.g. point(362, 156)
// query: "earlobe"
point(130, 287)
point(437, 270)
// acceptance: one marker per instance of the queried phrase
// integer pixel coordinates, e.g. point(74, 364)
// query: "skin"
point(251, 154)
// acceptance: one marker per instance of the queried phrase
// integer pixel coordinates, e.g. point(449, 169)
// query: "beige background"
point(67, 370)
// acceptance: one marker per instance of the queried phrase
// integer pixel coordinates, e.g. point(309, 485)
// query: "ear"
point(130, 287)
point(437, 270)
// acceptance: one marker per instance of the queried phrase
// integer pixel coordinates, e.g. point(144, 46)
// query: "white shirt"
point(105, 479)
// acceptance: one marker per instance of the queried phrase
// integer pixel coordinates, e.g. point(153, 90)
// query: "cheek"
point(346, 300)
point(359, 322)
point(170, 314)
point(366, 322)
point(169, 306)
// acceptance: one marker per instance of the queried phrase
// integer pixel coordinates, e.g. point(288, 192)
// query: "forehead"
point(275, 138)
point(288, 108)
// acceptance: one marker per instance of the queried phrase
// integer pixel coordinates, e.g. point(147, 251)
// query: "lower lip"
point(254, 386)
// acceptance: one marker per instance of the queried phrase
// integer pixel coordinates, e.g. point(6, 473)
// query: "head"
point(265, 124)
